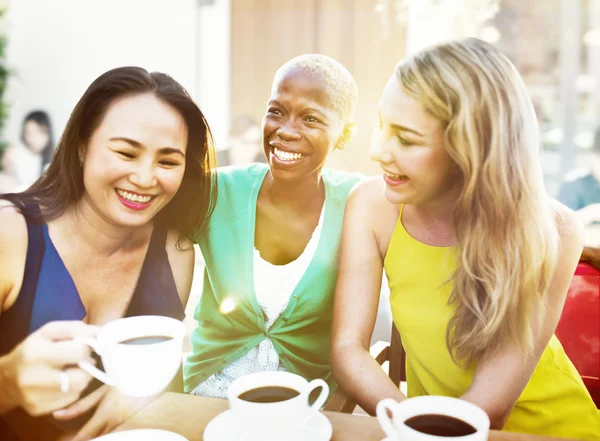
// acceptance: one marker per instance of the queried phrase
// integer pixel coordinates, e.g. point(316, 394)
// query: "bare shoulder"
point(368, 196)
point(570, 229)
point(13, 253)
point(371, 211)
point(181, 259)
point(13, 228)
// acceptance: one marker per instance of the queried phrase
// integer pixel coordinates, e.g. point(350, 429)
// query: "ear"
point(346, 136)
point(80, 154)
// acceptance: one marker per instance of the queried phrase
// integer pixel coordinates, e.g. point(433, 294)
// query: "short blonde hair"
point(339, 82)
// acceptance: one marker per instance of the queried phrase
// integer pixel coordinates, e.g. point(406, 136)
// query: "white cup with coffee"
point(273, 405)
point(141, 355)
point(429, 418)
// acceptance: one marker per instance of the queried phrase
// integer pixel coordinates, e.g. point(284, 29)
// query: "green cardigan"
point(230, 320)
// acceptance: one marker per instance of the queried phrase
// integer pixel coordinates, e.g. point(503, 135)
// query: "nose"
point(288, 132)
point(379, 149)
point(144, 176)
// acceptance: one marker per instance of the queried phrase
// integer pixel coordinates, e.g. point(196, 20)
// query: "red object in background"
point(579, 327)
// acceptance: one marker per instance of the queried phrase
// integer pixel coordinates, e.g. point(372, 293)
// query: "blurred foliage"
point(4, 73)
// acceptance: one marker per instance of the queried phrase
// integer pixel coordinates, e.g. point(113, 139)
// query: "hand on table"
point(113, 408)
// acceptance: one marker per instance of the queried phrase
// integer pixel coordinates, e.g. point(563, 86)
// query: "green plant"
point(4, 73)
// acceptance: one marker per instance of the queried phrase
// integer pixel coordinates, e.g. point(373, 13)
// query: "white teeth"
point(134, 197)
point(396, 177)
point(286, 156)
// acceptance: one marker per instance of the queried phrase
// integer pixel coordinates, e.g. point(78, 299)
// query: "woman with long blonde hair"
point(478, 257)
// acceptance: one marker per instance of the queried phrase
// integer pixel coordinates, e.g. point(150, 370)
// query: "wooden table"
point(188, 415)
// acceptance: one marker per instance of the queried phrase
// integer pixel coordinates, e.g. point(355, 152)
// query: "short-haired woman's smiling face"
point(409, 145)
point(300, 127)
point(134, 161)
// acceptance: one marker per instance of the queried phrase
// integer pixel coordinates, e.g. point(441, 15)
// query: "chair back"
point(579, 327)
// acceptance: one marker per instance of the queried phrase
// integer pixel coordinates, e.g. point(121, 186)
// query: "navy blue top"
point(48, 292)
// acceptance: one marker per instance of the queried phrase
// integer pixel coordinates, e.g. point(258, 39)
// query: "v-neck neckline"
point(151, 244)
point(249, 255)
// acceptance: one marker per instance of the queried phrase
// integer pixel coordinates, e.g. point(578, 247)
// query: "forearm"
point(497, 414)
point(6, 404)
point(361, 377)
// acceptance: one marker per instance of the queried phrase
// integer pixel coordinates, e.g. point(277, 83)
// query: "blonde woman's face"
point(409, 145)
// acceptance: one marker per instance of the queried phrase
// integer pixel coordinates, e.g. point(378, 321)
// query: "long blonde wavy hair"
point(505, 230)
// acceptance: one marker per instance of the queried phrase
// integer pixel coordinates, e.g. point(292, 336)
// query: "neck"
point(295, 195)
point(438, 216)
point(82, 223)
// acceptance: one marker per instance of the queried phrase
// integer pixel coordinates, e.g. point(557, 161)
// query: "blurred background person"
point(26, 161)
point(580, 190)
point(245, 141)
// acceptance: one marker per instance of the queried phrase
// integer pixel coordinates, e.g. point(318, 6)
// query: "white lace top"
point(273, 285)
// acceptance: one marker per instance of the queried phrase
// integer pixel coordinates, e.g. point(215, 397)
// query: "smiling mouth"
point(395, 177)
point(133, 197)
point(286, 156)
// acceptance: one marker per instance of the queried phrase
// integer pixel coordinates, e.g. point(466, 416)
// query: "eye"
point(312, 119)
point(169, 163)
point(403, 141)
point(126, 155)
point(274, 111)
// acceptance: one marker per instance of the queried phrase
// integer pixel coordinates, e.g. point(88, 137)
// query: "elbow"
point(336, 357)
point(339, 355)
point(498, 419)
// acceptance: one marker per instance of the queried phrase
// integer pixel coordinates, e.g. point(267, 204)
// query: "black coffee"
point(440, 425)
point(269, 394)
point(148, 340)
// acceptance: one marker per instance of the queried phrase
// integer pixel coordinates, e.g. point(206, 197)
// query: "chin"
point(393, 197)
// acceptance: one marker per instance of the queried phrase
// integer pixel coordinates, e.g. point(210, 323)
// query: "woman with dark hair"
point(37, 136)
point(104, 233)
point(26, 161)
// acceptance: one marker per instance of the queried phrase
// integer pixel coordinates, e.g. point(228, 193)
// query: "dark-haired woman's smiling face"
point(301, 127)
point(135, 160)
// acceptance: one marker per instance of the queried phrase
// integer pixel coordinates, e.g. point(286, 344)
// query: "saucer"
point(221, 428)
point(142, 435)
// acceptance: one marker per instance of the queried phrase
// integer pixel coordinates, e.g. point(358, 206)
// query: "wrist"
point(6, 403)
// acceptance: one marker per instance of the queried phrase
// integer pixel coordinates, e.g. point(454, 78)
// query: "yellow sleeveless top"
point(555, 401)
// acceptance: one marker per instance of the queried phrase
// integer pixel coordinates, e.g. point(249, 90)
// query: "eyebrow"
point(306, 110)
point(134, 143)
point(406, 129)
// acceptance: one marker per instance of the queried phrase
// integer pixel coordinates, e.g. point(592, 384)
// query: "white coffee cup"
point(137, 370)
point(275, 420)
point(396, 429)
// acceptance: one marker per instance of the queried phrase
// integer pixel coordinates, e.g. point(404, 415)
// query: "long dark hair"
point(42, 119)
point(62, 183)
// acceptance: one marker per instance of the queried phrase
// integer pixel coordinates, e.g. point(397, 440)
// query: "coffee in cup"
point(140, 355)
point(270, 406)
point(429, 418)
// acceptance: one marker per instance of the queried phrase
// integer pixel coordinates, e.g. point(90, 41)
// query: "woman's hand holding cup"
point(40, 374)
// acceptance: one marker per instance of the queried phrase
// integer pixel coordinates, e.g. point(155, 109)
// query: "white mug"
point(137, 370)
point(396, 429)
point(275, 420)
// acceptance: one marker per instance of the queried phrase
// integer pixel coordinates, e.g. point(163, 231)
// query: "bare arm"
point(30, 373)
point(356, 302)
point(510, 367)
